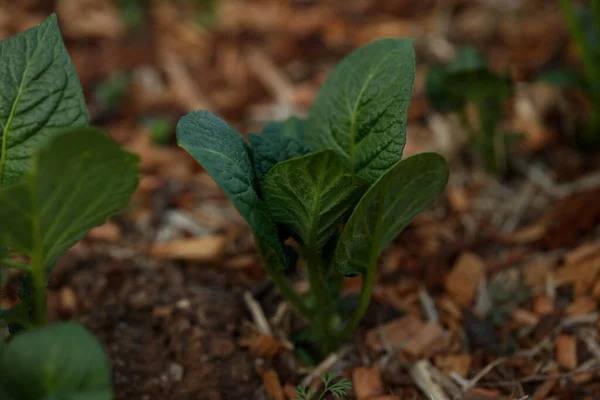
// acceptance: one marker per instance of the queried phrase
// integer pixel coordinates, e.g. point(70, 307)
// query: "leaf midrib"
point(354, 114)
point(3, 156)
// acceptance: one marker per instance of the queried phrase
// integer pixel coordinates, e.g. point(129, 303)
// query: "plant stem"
point(38, 275)
point(363, 304)
point(583, 46)
point(322, 312)
point(275, 271)
point(288, 292)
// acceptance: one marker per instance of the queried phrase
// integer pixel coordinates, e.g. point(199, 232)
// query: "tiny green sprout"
point(584, 26)
point(469, 80)
point(335, 184)
point(58, 179)
point(337, 388)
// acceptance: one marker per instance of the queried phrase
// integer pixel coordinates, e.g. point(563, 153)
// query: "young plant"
point(469, 81)
point(335, 183)
point(585, 31)
point(58, 179)
point(337, 389)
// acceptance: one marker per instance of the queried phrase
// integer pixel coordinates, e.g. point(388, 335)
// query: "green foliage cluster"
point(334, 183)
point(468, 80)
point(337, 388)
point(58, 179)
point(585, 31)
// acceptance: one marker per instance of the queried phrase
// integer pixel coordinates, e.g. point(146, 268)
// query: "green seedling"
point(335, 184)
point(584, 27)
point(58, 179)
point(469, 80)
point(337, 388)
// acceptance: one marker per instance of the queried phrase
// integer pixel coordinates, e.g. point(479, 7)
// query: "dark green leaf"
point(17, 315)
point(361, 110)
point(387, 208)
point(441, 99)
point(75, 183)
point(40, 96)
point(469, 78)
point(310, 194)
point(563, 78)
point(279, 141)
point(60, 362)
point(222, 151)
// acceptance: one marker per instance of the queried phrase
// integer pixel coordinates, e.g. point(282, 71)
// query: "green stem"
point(363, 304)
point(288, 293)
point(38, 275)
point(583, 46)
point(322, 312)
point(275, 271)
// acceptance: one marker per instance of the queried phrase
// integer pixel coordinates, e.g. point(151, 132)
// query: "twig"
point(421, 374)
point(483, 373)
point(182, 84)
point(325, 365)
point(271, 76)
point(257, 315)
point(428, 305)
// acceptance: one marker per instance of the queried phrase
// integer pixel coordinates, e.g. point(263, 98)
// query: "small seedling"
point(58, 179)
point(469, 81)
point(335, 183)
point(337, 388)
point(585, 31)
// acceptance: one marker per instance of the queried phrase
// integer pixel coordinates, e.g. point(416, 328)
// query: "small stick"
point(325, 365)
point(271, 76)
point(257, 314)
point(483, 373)
point(421, 374)
point(428, 305)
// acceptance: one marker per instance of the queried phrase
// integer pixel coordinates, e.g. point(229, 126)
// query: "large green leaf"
point(389, 205)
point(310, 194)
point(40, 96)
point(361, 110)
point(222, 151)
point(59, 362)
point(75, 183)
point(279, 141)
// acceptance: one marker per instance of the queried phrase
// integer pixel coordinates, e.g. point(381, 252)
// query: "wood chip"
point(201, 249)
point(462, 282)
point(582, 275)
point(454, 363)
point(524, 317)
point(536, 272)
point(273, 385)
point(566, 351)
point(262, 346)
point(108, 232)
point(459, 199)
point(582, 306)
point(290, 391)
point(543, 305)
point(541, 393)
point(367, 382)
point(394, 334)
point(583, 253)
point(426, 342)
